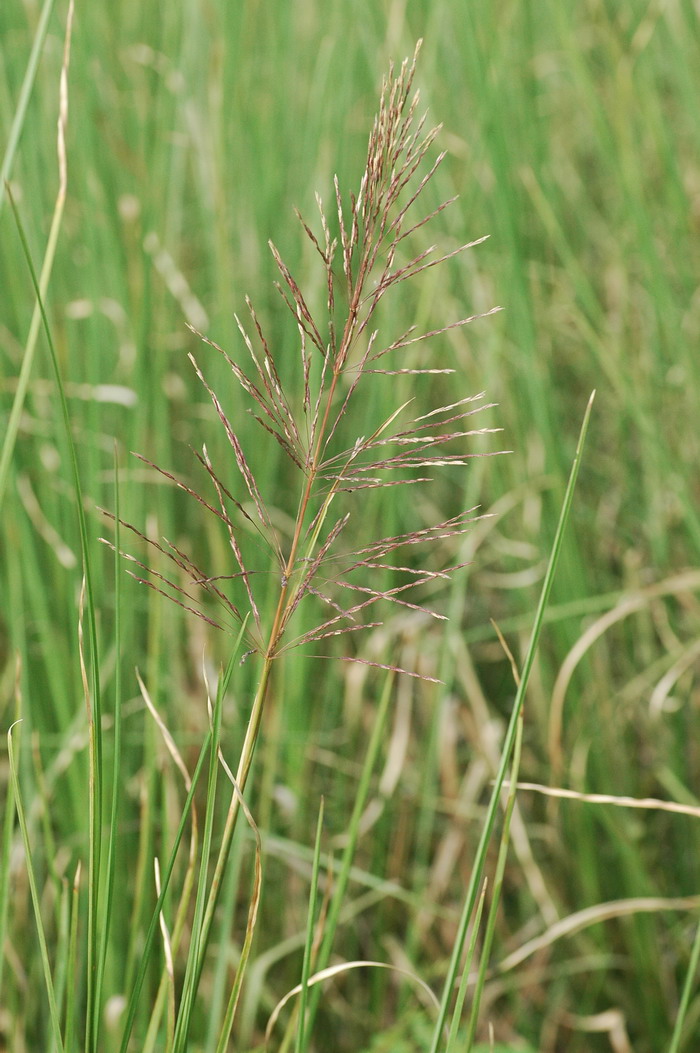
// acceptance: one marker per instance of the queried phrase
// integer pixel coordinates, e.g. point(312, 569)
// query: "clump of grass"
point(341, 351)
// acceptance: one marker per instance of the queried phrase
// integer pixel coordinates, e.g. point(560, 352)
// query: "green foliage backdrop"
point(193, 130)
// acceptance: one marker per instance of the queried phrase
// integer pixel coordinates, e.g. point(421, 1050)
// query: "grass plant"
point(570, 137)
point(336, 358)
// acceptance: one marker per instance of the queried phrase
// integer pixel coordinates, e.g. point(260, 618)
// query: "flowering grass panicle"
point(338, 354)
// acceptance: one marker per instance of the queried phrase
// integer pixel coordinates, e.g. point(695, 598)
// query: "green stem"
point(675, 1045)
point(245, 761)
point(476, 879)
point(254, 721)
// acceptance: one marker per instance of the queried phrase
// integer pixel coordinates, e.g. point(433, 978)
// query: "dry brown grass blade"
point(601, 912)
point(338, 970)
point(647, 804)
point(687, 582)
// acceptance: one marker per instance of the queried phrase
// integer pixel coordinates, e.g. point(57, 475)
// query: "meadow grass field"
point(142, 907)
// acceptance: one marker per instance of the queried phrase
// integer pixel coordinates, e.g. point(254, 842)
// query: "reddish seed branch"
point(372, 227)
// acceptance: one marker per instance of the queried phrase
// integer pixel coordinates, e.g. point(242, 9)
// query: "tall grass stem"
point(476, 878)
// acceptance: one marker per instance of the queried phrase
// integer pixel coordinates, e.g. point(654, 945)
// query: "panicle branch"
point(372, 228)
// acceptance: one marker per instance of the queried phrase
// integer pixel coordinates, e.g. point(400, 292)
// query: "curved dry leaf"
point(336, 970)
point(637, 601)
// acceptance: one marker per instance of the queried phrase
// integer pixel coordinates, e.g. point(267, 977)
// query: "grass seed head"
point(373, 225)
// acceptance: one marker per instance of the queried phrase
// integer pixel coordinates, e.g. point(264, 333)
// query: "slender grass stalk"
point(8, 830)
point(181, 918)
point(141, 884)
point(509, 742)
point(225, 1033)
point(93, 692)
point(62, 949)
point(676, 1038)
point(24, 97)
point(497, 889)
point(10, 436)
point(220, 982)
point(466, 974)
point(148, 942)
point(111, 862)
point(190, 982)
point(199, 934)
point(36, 902)
point(73, 984)
point(246, 759)
point(168, 972)
point(352, 835)
point(301, 1035)
point(167, 873)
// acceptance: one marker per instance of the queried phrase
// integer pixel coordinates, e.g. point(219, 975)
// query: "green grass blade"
point(7, 839)
point(675, 1045)
point(152, 1038)
point(223, 1043)
point(353, 832)
point(497, 889)
point(509, 742)
point(24, 96)
point(226, 921)
point(466, 973)
point(36, 903)
point(10, 436)
point(73, 985)
point(13, 422)
point(110, 863)
point(198, 939)
point(301, 1044)
point(149, 938)
point(196, 950)
point(142, 864)
point(94, 702)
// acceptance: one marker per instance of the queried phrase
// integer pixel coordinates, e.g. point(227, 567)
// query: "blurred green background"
point(573, 133)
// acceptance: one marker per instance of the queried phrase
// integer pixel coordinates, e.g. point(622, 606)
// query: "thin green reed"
point(476, 879)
